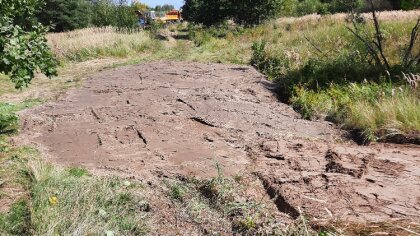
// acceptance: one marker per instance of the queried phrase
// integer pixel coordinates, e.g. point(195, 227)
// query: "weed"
point(177, 192)
point(78, 172)
point(17, 221)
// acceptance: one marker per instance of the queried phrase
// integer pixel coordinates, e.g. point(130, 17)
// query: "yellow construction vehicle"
point(173, 16)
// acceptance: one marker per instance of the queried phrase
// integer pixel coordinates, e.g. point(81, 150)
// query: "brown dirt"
point(179, 118)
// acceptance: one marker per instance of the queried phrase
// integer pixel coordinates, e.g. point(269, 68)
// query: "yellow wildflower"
point(53, 200)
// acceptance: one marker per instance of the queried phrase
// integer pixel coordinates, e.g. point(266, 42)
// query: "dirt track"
point(179, 118)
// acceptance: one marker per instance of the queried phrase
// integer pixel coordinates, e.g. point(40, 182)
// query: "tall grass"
point(377, 110)
point(58, 201)
point(321, 67)
point(69, 202)
point(92, 43)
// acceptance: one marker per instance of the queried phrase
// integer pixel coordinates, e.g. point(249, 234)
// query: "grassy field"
point(317, 63)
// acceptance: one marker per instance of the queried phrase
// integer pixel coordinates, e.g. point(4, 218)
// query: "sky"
point(153, 3)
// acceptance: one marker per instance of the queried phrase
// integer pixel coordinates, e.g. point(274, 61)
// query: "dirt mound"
point(179, 118)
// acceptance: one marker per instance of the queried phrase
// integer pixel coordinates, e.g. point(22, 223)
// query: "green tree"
point(23, 47)
point(103, 13)
point(65, 15)
point(246, 12)
point(252, 12)
point(109, 13)
point(167, 7)
point(410, 4)
point(139, 6)
point(206, 12)
point(126, 16)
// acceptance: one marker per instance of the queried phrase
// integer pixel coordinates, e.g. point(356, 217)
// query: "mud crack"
point(274, 191)
point(186, 103)
point(202, 121)
point(334, 166)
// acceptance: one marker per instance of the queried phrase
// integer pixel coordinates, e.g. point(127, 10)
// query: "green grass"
point(85, 205)
point(68, 201)
point(48, 200)
point(321, 69)
point(8, 117)
point(322, 77)
point(376, 110)
point(6, 85)
point(17, 221)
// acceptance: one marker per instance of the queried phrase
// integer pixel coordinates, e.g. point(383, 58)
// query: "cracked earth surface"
point(180, 118)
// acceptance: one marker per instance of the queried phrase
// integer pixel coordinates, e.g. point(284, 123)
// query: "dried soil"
point(165, 119)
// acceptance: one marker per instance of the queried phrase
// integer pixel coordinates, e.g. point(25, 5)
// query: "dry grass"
point(93, 43)
point(340, 17)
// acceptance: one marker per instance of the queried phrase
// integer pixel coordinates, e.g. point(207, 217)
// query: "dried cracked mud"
point(180, 118)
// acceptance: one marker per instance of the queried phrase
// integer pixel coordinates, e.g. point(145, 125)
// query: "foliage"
point(197, 11)
point(23, 48)
point(164, 8)
point(252, 12)
point(410, 4)
point(65, 15)
point(248, 12)
point(139, 6)
point(109, 13)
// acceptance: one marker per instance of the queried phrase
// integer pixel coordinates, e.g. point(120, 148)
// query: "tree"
point(206, 12)
point(103, 13)
point(109, 13)
point(125, 16)
point(252, 12)
point(245, 12)
point(65, 15)
point(23, 47)
point(167, 7)
point(140, 6)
